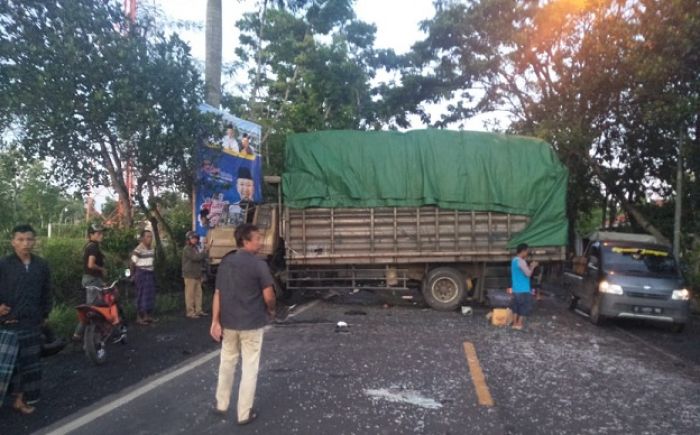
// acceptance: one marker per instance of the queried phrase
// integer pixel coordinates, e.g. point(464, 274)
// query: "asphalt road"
point(405, 369)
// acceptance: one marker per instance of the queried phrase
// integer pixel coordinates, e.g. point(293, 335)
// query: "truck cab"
point(628, 276)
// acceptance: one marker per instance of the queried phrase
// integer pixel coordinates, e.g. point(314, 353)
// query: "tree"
point(96, 100)
point(29, 196)
point(570, 72)
point(311, 66)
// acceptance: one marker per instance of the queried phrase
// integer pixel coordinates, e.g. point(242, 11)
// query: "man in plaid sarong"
point(9, 347)
point(144, 278)
point(25, 302)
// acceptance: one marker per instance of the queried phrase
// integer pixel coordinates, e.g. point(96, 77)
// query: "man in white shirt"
point(229, 142)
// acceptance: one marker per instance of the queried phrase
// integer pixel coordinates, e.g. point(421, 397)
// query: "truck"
point(434, 211)
point(631, 276)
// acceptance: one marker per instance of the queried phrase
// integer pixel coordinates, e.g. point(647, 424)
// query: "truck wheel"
point(595, 316)
point(281, 290)
point(444, 288)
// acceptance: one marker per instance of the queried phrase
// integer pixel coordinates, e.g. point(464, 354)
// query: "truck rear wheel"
point(444, 288)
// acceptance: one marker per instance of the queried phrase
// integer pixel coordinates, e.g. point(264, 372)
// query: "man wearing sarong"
point(144, 278)
point(25, 303)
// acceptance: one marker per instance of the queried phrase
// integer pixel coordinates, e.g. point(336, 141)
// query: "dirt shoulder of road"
point(71, 381)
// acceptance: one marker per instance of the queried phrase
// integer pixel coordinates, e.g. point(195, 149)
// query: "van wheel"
point(678, 327)
point(444, 288)
point(573, 303)
point(595, 316)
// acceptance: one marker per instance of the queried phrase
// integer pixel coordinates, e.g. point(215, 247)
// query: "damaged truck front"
point(435, 211)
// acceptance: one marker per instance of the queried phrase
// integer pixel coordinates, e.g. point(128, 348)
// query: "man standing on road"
point(520, 277)
point(145, 279)
point(244, 302)
point(25, 303)
point(94, 270)
point(192, 267)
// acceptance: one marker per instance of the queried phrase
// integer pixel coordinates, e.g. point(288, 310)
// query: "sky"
point(398, 27)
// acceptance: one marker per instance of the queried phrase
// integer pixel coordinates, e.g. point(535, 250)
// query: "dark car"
point(628, 276)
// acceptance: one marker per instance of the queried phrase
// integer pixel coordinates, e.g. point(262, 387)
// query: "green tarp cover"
point(450, 169)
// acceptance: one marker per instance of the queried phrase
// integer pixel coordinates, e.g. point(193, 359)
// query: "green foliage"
point(119, 242)
point(95, 93)
point(168, 269)
point(62, 319)
point(589, 222)
point(176, 210)
point(65, 258)
point(692, 272)
point(611, 84)
point(314, 65)
point(29, 195)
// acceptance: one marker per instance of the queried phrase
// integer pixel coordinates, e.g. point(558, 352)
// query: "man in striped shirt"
point(144, 278)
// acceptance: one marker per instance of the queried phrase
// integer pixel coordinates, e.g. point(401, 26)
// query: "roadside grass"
point(171, 305)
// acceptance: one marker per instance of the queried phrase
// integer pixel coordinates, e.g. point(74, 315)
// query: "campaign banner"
point(228, 181)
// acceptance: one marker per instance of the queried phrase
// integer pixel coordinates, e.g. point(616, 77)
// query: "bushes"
point(169, 273)
point(119, 242)
point(65, 258)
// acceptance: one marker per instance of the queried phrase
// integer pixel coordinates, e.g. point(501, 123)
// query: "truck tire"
point(281, 290)
point(444, 288)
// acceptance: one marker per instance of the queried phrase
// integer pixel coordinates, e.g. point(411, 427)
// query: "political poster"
point(228, 181)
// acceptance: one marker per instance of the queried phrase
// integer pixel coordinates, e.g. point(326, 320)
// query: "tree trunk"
point(604, 219)
point(677, 216)
point(155, 213)
point(145, 209)
point(118, 183)
point(629, 208)
point(212, 68)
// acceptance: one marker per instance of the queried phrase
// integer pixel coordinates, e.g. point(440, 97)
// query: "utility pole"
point(212, 62)
point(679, 199)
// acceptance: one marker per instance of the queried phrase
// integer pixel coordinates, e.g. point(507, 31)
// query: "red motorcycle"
point(103, 323)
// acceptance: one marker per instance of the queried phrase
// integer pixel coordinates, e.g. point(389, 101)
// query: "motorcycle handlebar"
point(111, 286)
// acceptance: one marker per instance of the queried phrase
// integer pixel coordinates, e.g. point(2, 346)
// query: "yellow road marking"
point(482, 390)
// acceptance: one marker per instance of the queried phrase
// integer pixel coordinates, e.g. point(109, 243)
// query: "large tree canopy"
point(610, 83)
point(311, 65)
point(93, 94)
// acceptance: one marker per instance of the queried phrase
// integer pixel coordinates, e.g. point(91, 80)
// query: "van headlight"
point(680, 295)
point(606, 287)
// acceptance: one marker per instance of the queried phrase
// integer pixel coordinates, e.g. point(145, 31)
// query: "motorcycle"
point(103, 323)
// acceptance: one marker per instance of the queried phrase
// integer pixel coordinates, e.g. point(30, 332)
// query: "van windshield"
point(625, 259)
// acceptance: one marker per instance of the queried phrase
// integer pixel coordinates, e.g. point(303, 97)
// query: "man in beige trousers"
point(192, 266)
point(244, 302)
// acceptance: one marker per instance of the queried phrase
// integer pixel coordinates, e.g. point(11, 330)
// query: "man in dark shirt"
point(94, 270)
point(25, 303)
point(93, 260)
point(244, 302)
